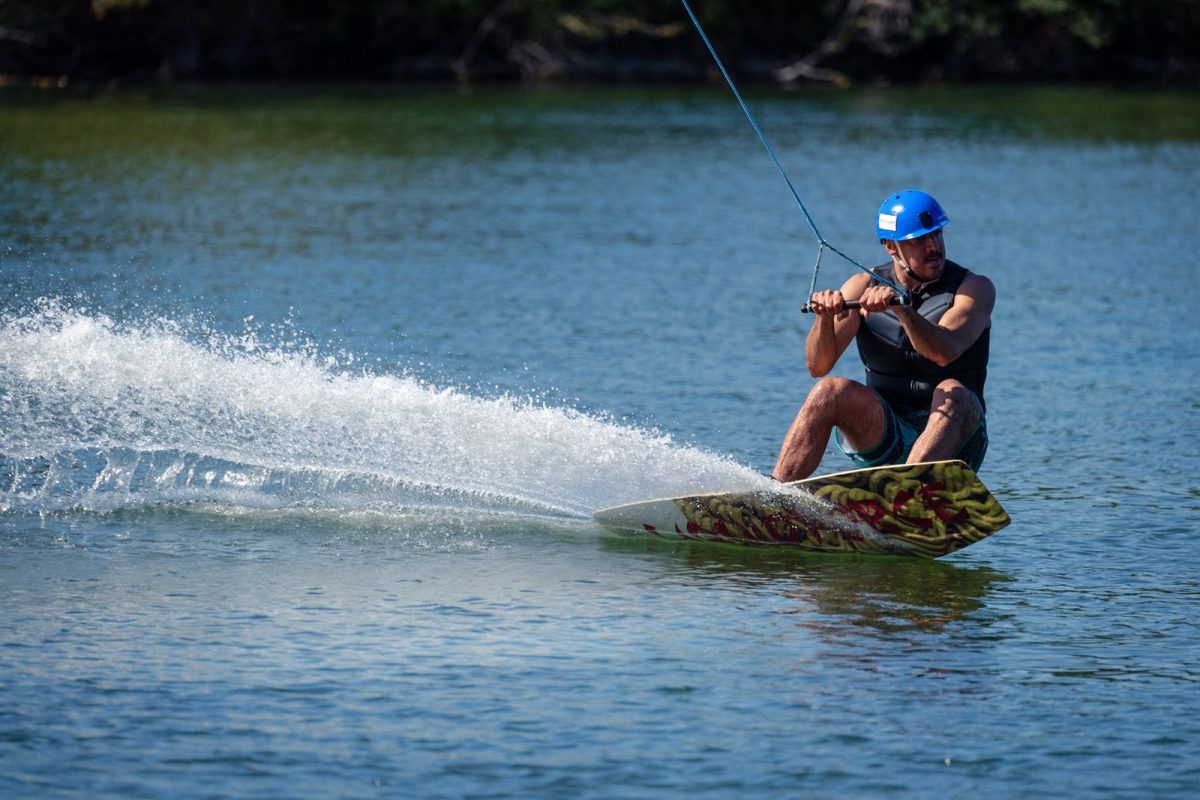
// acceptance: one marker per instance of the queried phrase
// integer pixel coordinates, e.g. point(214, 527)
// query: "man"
point(926, 363)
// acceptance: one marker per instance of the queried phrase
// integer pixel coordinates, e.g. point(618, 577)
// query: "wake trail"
point(99, 415)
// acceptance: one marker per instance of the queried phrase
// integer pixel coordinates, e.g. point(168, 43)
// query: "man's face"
point(925, 255)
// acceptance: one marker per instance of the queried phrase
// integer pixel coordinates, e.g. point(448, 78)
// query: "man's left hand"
point(876, 298)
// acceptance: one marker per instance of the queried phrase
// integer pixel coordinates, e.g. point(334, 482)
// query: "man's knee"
point(954, 400)
point(844, 403)
point(831, 392)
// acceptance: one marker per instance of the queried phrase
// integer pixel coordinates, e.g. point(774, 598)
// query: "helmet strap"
point(921, 282)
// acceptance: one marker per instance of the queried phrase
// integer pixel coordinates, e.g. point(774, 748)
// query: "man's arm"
point(958, 328)
point(834, 327)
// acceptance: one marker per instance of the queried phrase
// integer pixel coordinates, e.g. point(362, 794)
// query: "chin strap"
point(822, 244)
point(921, 282)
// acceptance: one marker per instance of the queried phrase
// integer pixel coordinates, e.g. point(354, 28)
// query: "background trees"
point(842, 41)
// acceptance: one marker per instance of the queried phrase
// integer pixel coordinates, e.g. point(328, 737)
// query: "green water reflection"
point(881, 594)
point(201, 123)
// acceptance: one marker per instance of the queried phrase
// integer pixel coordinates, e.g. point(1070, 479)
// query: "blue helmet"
point(909, 214)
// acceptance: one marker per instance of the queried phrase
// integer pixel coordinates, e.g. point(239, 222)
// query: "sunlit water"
point(306, 398)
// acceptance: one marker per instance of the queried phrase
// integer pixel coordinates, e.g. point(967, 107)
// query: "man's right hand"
point(827, 303)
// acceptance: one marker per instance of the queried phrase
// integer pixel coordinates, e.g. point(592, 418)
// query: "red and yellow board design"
point(929, 509)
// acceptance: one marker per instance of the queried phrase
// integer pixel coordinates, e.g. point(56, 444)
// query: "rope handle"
point(851, 305)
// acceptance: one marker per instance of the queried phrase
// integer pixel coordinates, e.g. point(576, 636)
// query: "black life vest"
point(904, 377)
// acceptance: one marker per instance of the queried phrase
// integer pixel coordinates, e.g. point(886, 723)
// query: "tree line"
point(829, 41)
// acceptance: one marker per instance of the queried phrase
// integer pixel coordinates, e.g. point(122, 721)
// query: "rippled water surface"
point(307, 396)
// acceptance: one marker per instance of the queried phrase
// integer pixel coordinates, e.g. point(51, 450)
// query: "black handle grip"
point(849, 305)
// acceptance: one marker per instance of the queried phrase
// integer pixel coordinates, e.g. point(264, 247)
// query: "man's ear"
point(892, 248)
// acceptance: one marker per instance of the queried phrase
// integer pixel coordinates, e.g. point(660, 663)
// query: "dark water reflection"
point(886, 595)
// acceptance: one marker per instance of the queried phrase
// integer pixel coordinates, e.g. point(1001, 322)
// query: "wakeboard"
point(927, 510)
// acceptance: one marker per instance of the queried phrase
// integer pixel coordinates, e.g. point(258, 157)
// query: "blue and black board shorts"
point(899, 433)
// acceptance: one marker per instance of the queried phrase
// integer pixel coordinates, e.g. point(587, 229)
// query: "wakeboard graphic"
point(927, 510)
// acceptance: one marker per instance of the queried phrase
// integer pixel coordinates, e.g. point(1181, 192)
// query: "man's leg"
point(852, 407)
point(953, 416)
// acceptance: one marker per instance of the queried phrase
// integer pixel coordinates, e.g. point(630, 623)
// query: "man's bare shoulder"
point(978, 287)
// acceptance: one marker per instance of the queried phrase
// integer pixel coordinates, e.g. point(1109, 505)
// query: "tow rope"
point(822, 243)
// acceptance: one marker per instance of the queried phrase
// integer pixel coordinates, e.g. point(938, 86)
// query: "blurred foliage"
point(840, 40)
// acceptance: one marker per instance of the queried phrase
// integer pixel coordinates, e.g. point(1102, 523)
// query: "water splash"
point(99, 415)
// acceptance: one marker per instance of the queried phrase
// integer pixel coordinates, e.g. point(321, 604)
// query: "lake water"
point(307, 396)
